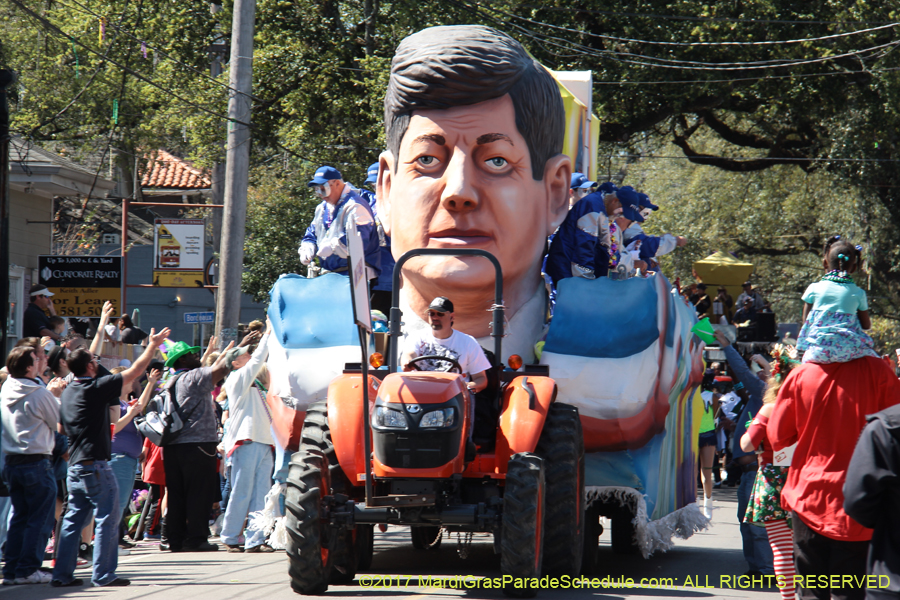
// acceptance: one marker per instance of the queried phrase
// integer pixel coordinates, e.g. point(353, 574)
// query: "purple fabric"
point(128, 441)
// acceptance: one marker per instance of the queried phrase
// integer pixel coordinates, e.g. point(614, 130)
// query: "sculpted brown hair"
point(461, 65)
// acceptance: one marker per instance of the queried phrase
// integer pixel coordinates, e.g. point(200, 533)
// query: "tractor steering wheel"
point(454, 364)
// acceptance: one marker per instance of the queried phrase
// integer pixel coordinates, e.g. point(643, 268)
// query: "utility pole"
point(6, 79)
point(217, 52)
point(237, 171)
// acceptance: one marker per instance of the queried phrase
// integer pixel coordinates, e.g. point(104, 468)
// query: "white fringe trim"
point(651, 535)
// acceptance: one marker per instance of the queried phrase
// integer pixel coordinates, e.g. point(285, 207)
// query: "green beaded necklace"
point(839, 277)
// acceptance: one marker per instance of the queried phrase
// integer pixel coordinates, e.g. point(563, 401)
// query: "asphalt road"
point(399, 571)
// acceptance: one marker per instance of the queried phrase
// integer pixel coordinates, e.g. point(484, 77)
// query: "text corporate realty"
point(567, 582)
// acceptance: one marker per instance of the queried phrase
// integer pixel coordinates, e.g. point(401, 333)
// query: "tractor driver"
point(442, 340)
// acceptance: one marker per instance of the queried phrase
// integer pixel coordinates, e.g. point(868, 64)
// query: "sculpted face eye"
point(427, 161)
point(497, 163)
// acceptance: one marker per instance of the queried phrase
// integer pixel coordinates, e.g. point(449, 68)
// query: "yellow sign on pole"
point(180, 279)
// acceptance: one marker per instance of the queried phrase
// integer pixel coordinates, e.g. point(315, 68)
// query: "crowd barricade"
point(115, 353)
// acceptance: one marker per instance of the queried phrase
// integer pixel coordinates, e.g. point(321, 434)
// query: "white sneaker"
point(124, 551)
point(707, 507)
point(36, 577)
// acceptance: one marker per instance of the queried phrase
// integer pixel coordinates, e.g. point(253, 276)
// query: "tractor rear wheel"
point(316, 437)
point(561, 446)
point(522, 529)
point(309, 540)
point(426, 537)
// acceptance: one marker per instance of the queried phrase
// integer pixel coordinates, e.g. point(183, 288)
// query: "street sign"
point(198, 318)
point(81, 284)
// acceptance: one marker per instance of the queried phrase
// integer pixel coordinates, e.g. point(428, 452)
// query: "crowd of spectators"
point(73, 460)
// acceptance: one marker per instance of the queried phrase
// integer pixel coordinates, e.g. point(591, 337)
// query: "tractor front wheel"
point(522, 529)
point(309, 540)
point(561, 446)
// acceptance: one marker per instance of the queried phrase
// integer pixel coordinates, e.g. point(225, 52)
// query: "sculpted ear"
point(383, 190)
point(557, 178)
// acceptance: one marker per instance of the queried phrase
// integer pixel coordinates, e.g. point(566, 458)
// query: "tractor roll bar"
point(496, 311)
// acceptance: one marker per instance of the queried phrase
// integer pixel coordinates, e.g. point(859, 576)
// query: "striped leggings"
point(781, 538)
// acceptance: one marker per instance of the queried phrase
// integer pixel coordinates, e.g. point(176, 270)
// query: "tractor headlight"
point(444, 417)
point(386, 417)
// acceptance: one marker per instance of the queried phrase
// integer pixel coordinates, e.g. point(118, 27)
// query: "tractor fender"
point(526, 401)
point(346, 422)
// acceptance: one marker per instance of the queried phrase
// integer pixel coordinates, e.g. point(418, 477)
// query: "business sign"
point(178, 244)
point(196, 318)
point(81, 284)
point(178, 279)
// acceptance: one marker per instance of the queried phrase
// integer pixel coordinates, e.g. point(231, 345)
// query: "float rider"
point(326, 236)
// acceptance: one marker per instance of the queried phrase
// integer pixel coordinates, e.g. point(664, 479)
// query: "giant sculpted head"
point(474, 132)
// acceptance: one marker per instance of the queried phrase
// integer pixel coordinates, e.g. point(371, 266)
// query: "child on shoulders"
point(836, 311)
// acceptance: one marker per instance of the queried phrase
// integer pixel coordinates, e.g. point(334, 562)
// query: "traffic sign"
point(200, 317)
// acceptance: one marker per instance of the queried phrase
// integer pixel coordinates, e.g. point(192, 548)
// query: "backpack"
point(163, 419)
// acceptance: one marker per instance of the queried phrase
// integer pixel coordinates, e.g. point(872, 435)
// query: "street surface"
point(706, 558)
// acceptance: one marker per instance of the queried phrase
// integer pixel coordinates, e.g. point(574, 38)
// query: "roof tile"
point(165, 170)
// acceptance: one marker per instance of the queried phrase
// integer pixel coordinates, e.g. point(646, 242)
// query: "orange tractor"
point(411, 455)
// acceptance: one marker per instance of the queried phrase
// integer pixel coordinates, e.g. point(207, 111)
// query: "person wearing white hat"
point(36, 323)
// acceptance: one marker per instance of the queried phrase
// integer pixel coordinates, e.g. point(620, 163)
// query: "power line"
point(167, 56)
point(581, 50)
point(737, 79)
point(762, 158)
point(691, 44)
point(700, 19)
point(54, 29)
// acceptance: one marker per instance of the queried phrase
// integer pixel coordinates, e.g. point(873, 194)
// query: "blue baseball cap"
point(323, 175)
point(579, 181)
point(644, 201)
point(372, 173)
point(631, 207)
point(607, 187)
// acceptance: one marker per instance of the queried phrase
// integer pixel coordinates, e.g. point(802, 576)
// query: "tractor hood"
point(421, 387)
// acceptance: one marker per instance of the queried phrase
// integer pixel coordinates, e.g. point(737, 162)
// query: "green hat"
point(179, 350)
point(704, 330)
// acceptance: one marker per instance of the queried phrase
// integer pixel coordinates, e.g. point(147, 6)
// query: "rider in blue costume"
point(326, 236)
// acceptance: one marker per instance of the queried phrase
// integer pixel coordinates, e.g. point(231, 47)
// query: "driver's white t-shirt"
point(459, 346)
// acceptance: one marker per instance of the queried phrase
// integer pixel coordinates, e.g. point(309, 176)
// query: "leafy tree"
point(778, 219)
point(279, 209)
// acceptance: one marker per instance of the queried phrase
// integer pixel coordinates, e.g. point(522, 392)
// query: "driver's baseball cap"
point(441, 304)
point(39, 289)
point(372, 173)
point(323, 175)
point(580, 181)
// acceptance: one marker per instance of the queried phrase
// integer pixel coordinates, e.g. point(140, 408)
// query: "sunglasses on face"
point(434, 313)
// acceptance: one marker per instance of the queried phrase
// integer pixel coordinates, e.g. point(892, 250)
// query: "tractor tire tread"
point(561, 446)
point(309, 574)
point(521, 521)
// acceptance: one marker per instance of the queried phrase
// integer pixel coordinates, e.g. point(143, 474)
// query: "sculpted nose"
point(460, 193)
